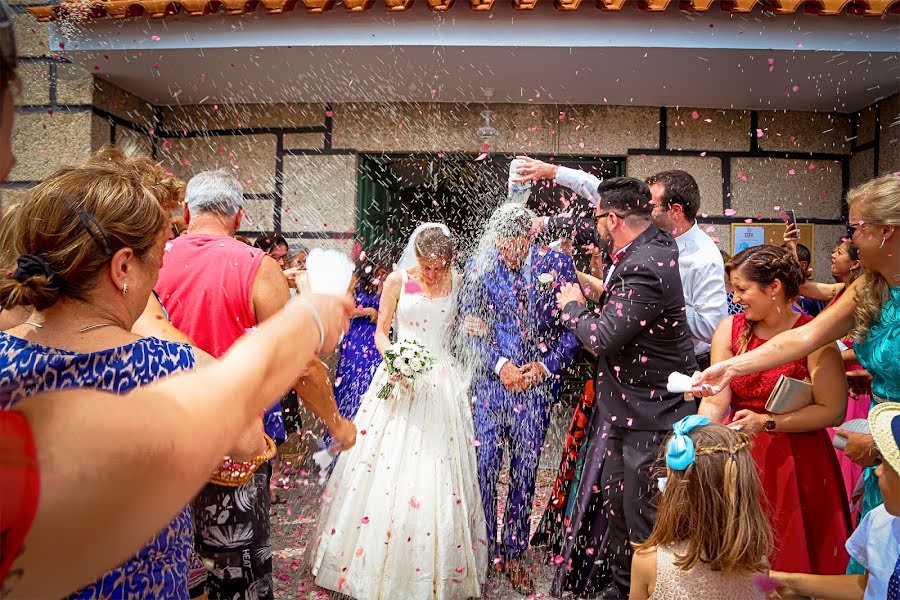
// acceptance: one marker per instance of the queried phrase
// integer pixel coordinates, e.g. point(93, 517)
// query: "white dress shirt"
point(703, 279)
point(699, 263)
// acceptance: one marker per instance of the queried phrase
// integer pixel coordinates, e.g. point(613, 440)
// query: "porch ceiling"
point(121, 9)
point(675, 58)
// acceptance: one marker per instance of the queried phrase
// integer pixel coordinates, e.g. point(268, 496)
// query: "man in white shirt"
point(676, 200)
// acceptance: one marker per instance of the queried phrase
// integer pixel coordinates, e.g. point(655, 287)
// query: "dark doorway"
point(398, 192)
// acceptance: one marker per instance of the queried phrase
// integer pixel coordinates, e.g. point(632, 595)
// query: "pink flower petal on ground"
point(759, 133)
point(482, 156)
point(460, 569)
point(730, 212)
point(695, 115)
point(413, 503)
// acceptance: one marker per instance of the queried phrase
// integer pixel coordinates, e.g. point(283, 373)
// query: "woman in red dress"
point(796, 462)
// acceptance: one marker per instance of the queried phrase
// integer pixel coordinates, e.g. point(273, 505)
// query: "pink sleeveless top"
point(205, 285)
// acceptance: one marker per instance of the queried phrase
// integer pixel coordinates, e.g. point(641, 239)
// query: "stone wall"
point(299, 162)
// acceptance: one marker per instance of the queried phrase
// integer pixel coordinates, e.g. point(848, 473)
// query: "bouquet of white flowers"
point(404, 360)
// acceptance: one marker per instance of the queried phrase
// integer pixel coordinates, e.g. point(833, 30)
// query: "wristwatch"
point(770, 423)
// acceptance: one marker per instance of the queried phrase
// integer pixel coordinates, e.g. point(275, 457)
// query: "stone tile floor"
point(293, 524)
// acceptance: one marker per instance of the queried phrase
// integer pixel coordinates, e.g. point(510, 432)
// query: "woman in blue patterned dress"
point(359, 357)
point(89, 244)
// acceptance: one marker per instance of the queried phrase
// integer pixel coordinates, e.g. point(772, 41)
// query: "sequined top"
point(698, 583)
point(878, 352)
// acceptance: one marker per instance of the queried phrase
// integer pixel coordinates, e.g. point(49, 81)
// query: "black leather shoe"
point(613, 592)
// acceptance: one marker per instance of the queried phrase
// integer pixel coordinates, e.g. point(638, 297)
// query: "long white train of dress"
point(401, 514)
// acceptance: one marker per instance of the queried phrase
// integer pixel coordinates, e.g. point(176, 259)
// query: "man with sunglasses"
point(639, 335)
point(676, 202)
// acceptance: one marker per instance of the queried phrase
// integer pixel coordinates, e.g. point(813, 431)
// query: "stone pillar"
point(55, 124)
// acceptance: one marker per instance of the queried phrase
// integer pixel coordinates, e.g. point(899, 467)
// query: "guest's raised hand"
point(344, 433)
point(860, 448)
point(748, 422)
point(569, 292)
point(533, 169)
point(331, 314)
point(714, 379)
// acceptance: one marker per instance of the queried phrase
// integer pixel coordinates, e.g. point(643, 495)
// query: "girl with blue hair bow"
point(711, 538)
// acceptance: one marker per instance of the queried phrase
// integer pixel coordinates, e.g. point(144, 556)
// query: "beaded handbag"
point(233, 473)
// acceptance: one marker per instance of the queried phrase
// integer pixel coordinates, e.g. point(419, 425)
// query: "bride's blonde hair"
point(433, 243)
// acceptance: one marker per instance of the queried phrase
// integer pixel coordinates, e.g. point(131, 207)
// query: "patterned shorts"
point(231, 530)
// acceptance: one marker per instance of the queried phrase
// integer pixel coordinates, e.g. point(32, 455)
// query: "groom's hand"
point(567, 293)
point(534, 374)
point(475, 326)
point(512, 378)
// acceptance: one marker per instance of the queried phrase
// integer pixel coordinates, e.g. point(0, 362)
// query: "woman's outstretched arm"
point(114, 470)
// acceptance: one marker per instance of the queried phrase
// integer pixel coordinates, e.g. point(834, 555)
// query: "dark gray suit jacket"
point(639, 335)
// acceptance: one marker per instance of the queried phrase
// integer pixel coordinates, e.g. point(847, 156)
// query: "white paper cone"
point(328, 272)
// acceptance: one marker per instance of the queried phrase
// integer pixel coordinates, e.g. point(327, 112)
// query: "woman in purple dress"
point(359, 357)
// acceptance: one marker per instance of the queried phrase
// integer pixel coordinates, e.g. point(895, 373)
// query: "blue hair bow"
point(680, 449)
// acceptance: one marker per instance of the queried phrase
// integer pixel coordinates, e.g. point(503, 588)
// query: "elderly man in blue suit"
point(520, 348)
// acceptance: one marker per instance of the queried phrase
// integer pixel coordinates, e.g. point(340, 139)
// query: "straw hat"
point(884, 421)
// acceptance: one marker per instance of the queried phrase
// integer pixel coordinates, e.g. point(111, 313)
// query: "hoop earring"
point(124, 288)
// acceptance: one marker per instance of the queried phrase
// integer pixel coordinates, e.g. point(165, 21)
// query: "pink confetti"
point(792, 172)
point(364, 520)
point(460, 569)
point(482, 156)
point(412, 287)
point(558, 559)
point(413, 503)
point(695, 115)
point(730, 212)
point(759, 133)
point(764, 583)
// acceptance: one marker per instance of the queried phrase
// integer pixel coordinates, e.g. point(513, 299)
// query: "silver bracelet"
point(315, 315)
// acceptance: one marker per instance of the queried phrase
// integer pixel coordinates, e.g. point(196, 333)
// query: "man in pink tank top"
point(215, 289)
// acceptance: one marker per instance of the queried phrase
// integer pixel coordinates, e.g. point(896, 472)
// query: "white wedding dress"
point(401, 514)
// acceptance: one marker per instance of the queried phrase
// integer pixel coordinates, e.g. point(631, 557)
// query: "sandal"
point(519, 578)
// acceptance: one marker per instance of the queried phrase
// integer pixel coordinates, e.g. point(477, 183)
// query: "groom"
point(514, 328)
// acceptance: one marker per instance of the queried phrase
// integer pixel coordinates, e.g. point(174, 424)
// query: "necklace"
point(95, 326)
point(82, 330)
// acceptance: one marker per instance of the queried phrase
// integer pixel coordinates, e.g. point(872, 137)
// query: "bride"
point(402, 515)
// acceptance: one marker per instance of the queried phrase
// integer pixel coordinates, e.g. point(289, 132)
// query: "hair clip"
point(87, 220)
point(680, 453)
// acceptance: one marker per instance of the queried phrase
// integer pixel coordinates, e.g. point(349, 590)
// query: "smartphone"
point(792, 220)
